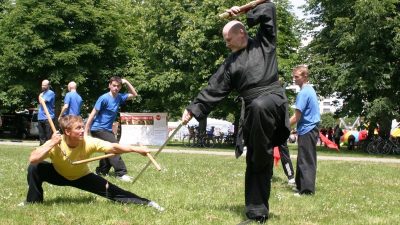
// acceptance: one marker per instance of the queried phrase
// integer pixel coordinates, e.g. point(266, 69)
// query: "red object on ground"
point(328, 143)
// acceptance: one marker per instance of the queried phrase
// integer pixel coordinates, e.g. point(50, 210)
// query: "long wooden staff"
point(243, 8)
point(53, 128)
point(158, 152)
point(111, 155)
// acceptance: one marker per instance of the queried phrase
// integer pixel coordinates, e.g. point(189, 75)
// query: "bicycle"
point(229, 139)
point(391, 147)
point(188, 140)
point(376, 145)
point(208, 141)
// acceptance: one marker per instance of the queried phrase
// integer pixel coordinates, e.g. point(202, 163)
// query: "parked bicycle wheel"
point(380, 146)
point(208, 142)
point(387, 148)
point(188, 141)
point(373, 147)
point(396, 150)
point(185, 140)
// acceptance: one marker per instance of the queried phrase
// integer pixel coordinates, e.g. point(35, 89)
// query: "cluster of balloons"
point(358, 135)
point(362, 135)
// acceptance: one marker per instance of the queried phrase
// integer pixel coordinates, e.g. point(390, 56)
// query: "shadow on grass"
point(69, 200)
point(276, 179)
point(239, 209)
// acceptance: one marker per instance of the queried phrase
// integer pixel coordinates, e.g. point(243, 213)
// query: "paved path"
point(199, 152)
point(327, 158)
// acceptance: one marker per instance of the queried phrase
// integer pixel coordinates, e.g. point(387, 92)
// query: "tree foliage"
point(182, 46)
point(328, 120)
point(60, 41)
point(356, 54)
point(167, 49)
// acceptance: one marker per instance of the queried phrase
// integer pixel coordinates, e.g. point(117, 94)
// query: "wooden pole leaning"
point(93, 159)
point(152, 160)
point(111, 155)
point(158, 152)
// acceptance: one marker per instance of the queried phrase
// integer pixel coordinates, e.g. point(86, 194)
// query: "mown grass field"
point(208, 189)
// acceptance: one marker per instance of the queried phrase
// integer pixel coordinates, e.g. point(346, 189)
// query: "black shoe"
point(248, 221)
point(259, 220)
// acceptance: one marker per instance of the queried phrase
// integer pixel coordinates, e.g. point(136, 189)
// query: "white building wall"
point(330, 104)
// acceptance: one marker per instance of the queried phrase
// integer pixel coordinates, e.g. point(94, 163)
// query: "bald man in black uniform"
point(252, 70)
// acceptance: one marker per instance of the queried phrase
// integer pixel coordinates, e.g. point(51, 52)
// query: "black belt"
point(248, 96)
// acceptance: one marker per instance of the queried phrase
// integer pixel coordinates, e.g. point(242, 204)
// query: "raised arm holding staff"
point(100, 122)
point(252, 70)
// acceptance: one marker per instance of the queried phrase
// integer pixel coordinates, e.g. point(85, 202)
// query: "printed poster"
point(143, 128)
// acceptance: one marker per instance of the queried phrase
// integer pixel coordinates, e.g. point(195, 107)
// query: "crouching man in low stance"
point(72, 146)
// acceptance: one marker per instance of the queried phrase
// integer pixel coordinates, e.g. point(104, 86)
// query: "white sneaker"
point(22, 204)
point(292, 182)
point(156, 206)
point(125, 178)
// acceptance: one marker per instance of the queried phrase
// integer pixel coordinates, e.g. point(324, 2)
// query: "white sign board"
point(143, 128)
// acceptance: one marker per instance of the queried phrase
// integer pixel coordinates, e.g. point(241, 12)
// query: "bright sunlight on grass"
point(206, 189)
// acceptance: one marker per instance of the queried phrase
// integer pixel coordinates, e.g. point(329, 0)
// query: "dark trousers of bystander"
point(45, 172)
point(45, 131)
point(337, 141)
point(116, 161)
point(306, 169)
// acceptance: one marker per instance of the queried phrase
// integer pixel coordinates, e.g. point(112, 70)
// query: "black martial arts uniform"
point(253, 72)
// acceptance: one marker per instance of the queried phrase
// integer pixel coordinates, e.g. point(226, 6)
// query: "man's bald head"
point(71, 86)
point(233, 26)
point(235, 35)
point(45, 85)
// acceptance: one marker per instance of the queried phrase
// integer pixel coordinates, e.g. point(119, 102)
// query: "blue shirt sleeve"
point(124, 97)
point(301, 102)
point(67, 99)
point(100, 103)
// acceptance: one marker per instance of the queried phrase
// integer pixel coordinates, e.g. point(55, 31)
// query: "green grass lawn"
point(207, 189)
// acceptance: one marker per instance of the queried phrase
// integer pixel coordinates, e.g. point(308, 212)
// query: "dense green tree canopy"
point(356, 54)
point(167, 49)
point(182, 46)
point(60, 41)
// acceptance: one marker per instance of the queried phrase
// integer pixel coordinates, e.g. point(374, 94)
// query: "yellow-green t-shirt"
point(86, 147)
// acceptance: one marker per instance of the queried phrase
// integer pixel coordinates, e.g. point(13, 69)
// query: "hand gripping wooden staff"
point(243, 8)
point(158, 151)
point(152, 160)
point(53, 128)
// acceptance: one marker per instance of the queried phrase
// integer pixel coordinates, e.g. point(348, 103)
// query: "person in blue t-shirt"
point(100, 121)
point(44, 128)
point(72, 102)
point(307, 117)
